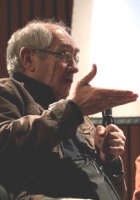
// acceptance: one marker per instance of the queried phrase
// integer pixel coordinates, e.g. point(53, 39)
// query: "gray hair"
point(33, 35)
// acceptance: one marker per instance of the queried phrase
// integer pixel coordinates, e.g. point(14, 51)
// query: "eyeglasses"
point(67, 56)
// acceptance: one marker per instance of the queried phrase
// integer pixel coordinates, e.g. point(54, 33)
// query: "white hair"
point(34, 35)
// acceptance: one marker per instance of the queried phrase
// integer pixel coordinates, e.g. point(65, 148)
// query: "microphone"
point(107, 119)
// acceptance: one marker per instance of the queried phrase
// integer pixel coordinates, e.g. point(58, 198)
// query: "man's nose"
point(73, 66)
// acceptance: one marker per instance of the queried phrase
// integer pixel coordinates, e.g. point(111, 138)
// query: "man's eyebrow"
point(68, 46)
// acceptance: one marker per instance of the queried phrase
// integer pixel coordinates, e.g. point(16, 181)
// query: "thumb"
point(86, 79)
point(100, 130)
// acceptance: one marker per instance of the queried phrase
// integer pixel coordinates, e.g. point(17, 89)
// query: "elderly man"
point(49, 148)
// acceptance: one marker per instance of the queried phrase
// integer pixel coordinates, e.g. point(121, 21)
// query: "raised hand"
point(92, 99)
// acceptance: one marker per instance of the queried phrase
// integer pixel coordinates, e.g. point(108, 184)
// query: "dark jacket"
point(33, 131)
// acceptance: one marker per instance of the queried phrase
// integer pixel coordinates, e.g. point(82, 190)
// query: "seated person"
point(49, 148)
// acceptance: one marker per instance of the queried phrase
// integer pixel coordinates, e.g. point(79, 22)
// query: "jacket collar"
point(41, 93)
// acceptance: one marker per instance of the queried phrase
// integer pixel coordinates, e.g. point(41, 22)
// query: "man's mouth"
point(68, 80)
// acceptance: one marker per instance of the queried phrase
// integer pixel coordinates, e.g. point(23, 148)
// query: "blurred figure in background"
point(136, 194)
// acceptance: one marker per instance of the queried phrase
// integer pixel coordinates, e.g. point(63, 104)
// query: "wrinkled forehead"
point(62, 38)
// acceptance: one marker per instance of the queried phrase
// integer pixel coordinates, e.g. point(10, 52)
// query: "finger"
point(122, 101)
point(112, 102)
point(113, 132)
point(120, 93)
point(112, 127)
point(114, 150)
point(116, 143)
point(117, 93)
point(100, 130)
point(86, 79)
point(117, 101)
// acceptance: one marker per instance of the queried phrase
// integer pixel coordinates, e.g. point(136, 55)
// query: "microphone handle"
point(108, 119)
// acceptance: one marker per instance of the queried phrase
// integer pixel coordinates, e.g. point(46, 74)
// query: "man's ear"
point(25, 56)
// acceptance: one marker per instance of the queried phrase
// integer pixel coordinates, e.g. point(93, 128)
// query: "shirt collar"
point(43, 94)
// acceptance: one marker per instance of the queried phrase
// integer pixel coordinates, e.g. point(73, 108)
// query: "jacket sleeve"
point(23, 124)
point(136, 194)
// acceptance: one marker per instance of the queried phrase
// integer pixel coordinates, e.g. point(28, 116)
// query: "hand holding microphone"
point(110, 141)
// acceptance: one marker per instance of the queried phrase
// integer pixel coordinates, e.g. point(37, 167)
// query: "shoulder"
point(13, 94)
point(9, 84)
point(12, 89)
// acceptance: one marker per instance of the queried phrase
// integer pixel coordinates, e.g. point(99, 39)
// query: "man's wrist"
point(77, 111)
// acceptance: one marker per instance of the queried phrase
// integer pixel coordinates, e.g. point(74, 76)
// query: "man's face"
point(55, 71)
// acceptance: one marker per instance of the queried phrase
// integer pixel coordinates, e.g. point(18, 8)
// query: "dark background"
point(15, 14)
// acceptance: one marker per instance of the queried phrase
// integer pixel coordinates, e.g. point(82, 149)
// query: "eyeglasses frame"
point(58, 54)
